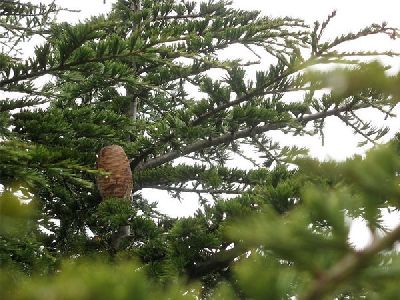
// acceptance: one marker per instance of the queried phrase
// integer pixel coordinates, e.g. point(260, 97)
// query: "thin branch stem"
point(356, 129)
point(249, 159)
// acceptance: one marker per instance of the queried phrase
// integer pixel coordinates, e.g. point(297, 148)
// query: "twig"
point(252, 161)
point(252, 51)
point(356, 129)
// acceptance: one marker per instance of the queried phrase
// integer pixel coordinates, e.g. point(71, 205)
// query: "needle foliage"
point(182, 86)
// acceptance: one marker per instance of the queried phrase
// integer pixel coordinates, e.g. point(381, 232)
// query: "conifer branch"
point(64, 67)
point(179, 17)
point(217, 262)
point(247, 132)
point(193, 190)
point(13, 27)
point(249, 159)
point(356, 129)
point(256, 92)
point(348, 266)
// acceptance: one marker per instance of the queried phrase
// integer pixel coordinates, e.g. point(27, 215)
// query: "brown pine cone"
point(119, 183)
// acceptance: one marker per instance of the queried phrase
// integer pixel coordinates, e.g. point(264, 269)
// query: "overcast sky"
point(340, 142)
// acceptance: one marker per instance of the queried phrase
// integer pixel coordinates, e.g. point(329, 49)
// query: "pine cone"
point(119, 183)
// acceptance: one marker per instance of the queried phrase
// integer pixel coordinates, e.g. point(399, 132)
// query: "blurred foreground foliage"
point(270, 254)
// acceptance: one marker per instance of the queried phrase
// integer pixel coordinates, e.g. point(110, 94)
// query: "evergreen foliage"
point(143, 77)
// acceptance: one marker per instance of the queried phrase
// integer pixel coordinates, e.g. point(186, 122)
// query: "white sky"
point(351, 16)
